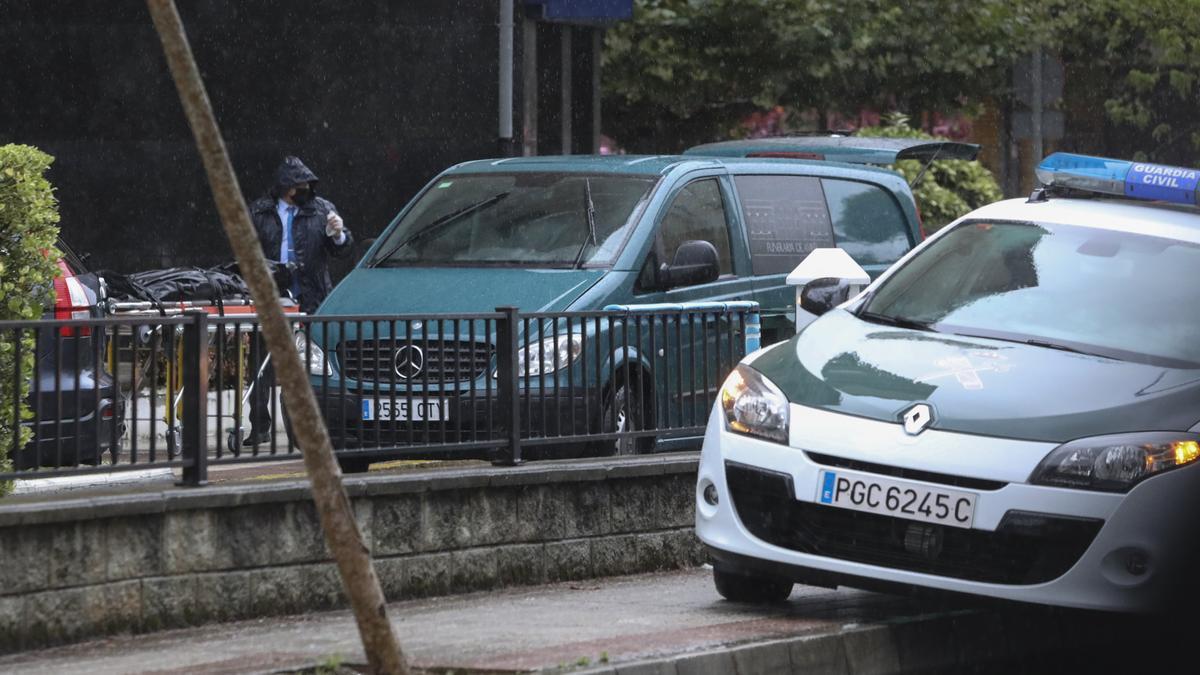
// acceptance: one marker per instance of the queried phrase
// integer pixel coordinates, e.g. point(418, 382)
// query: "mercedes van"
point(723, 222)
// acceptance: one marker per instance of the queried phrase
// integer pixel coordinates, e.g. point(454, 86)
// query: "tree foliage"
point(683, 71)
point(28, 230)
point(686, 71)
point(1144, 58)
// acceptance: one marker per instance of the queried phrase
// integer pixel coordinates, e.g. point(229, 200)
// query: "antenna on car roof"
point(926, 165)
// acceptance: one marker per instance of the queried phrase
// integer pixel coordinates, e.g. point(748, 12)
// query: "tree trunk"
point(337, 518)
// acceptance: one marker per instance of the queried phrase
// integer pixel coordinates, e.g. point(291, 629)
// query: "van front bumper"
point(470, 419)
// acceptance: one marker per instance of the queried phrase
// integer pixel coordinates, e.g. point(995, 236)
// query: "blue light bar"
point(1135, 180)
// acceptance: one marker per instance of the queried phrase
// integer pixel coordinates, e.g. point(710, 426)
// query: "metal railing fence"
point(190, 391)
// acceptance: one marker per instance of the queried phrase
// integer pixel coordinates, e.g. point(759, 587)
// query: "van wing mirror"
point(695, 262)
point(832, 274)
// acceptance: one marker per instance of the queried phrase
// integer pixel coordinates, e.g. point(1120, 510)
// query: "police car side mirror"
point(825, 265)
point(821, 295)
point(695, 262)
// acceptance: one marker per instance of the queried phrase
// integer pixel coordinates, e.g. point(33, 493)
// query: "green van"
point(723, 222)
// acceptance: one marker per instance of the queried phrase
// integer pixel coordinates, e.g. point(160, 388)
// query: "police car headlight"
point(1116, 463)
point(754, 406)
point(312, 355)
point(549, 355)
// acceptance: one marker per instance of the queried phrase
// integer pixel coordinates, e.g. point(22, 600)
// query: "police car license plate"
point(404, 410)
point(912, 501)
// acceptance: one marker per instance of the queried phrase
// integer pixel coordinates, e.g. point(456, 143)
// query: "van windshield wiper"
point(898, 321)
point(438, 224)
point(590, 213)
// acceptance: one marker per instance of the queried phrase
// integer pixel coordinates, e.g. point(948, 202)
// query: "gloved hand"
point(333, 225)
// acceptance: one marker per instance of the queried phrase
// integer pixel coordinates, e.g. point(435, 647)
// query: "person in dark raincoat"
point(302, 231)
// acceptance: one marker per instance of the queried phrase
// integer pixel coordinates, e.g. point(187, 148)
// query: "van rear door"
point(786, 217)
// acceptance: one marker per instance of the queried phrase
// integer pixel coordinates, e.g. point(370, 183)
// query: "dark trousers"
point(264, 386)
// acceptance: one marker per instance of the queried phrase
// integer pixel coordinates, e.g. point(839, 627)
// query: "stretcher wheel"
point(174, 441)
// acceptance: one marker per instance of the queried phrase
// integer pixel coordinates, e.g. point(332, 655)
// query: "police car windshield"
point(518, 219)
point(1120, 295)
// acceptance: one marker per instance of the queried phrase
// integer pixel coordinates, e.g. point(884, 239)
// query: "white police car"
point(1012, 410)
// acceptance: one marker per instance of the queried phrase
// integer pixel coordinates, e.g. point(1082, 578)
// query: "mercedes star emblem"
point(917, 418)
point(410, 361)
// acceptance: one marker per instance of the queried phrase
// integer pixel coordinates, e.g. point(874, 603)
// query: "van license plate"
point(405, 410)
point(913, 501)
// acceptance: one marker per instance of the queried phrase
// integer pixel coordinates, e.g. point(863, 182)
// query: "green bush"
point(28, 230)
point(950, 188)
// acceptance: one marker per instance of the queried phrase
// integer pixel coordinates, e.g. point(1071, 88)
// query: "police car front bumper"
point(1029, 543)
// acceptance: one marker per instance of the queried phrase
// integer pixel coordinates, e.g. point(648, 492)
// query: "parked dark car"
point(78, 412)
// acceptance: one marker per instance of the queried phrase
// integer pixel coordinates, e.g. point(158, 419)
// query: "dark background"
point(376, 97)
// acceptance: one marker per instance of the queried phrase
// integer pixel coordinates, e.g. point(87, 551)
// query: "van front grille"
point(434, 361)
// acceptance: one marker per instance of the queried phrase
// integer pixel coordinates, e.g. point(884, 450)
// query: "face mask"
point(302, 196)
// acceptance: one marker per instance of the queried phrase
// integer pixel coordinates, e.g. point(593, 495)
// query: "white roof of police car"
point(1163, 220)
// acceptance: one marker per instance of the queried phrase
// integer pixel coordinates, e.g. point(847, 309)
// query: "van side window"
point(867, 222)
point(785, 220)
point(698, 213)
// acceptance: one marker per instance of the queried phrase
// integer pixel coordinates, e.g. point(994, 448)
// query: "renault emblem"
point(917, 418)
point(409, 362)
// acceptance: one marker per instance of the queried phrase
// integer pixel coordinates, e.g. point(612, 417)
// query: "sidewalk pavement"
point(668, 623)
point(615, 620)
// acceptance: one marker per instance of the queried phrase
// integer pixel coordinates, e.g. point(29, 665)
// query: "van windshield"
point(519, 219)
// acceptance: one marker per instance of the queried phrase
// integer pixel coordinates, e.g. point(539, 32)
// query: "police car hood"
point(449, 290)
point(975, 385)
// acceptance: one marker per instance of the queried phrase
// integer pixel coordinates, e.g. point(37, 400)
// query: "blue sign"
point(585, 11)
point(1165, 183)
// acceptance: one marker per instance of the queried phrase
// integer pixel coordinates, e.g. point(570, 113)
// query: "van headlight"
point(754, 406)
point(312, 354)
point(1116, 463)
point(549, 355)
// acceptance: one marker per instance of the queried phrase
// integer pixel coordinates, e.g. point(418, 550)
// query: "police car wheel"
point(743, 588)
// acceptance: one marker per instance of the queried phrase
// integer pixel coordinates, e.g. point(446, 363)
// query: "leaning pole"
point(342, 535)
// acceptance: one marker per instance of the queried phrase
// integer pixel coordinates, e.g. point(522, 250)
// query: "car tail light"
point(70, 301)
point(920, 222)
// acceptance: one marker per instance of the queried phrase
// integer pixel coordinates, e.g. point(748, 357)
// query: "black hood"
point(293, 172)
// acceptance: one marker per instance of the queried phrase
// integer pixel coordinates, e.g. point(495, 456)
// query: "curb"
point(94, 480)
point(951, 641)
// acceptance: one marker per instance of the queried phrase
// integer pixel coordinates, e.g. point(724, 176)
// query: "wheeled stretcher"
point(141, 347)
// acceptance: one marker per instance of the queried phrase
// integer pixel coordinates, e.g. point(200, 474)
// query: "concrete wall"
point(84, 568)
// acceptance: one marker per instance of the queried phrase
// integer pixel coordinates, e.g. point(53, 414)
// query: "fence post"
point(507, 384)
point(195, 400)
point(753, 330)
